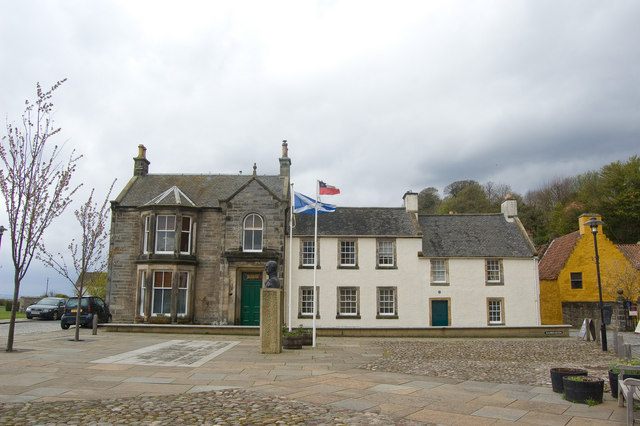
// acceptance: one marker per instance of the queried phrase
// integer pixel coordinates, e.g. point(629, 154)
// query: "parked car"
point(48, 308)
point(90, 306)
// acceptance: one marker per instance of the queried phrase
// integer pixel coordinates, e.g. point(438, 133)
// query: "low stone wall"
point(534, 331)
point(574, 313)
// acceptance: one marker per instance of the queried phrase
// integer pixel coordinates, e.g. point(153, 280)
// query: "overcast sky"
point(376, 98)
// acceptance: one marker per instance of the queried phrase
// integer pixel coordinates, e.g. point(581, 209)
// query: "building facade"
point(193, 247)
point(390, 268)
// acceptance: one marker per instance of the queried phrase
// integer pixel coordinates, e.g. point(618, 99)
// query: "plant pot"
point(558, 373)
point(292, 342)
point(307, 339)
point(613, 381)
point(584, 390)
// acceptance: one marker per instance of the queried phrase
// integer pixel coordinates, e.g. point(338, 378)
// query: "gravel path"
point(514, 361)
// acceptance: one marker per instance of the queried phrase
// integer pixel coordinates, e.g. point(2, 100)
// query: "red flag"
point(325, 189)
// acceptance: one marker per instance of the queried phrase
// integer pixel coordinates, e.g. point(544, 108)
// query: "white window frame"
point(167, 233)
point(305, 303)
point(493, 267)
point(164, 291)
point(143, 290)
point(439, 271)
point(147, 234)
point(185, 233)
point(386, 254)
point(183, 293)
point(495, 311)
point(348, 250)
point(253, 230)
point(387, 302)
point(306, 256)
point(348, 302)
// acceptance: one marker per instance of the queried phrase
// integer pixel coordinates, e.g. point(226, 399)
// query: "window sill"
point(304, 316)
point(348, 316)
point(496, 283)
point(348, 267)
point(439, 284)
point(386, 316)
point(388, 267)
point(308, 267)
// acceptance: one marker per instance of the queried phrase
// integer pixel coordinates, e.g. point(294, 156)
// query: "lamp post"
point(2, 229)
point(593, 223)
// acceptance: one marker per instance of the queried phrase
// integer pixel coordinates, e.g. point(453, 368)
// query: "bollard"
point(95, 324)
point(627, 351)
point(619, 345)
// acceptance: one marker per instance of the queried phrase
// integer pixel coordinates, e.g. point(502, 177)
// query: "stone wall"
point(574, 313)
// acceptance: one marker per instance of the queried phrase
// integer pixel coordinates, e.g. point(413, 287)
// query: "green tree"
point(428, 201)
point(620, 200)
point(470, 199)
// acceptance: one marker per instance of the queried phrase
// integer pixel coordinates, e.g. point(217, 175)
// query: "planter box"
point(584, 390)
point(558, 373)
point(292, 342)
point(613, 381)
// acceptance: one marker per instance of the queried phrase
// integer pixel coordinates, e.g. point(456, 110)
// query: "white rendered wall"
point(467, 290)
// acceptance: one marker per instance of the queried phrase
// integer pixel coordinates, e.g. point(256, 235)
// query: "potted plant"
point(614, 372)
point(583, 389)
point(558, 373)
point(291, 339)
point(307, 337)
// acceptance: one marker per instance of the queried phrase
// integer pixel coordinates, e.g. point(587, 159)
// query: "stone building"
point(193, 247)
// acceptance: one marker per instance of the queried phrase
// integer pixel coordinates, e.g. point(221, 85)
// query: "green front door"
point(250, 298)
point(440, 313)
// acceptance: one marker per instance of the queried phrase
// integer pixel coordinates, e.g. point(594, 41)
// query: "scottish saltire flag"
point(307, 205)
point(325, 189)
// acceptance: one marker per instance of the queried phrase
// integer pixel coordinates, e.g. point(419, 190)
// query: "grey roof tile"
point(482, 235)
point(201, 190)
point(358, 221)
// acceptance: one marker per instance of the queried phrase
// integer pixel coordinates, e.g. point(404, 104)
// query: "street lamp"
point(2, 229)
point(593, 223)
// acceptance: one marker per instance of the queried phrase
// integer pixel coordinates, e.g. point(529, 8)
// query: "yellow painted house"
point(567, 271)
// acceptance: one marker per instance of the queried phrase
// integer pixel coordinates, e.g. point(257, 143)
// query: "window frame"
point(380, 303)
point(146, 238)
point(164, 288)
point(445, 263)
point(304, 254)
point(487, 272)
point(302, 302)
point(185, 235)
point(253, 230)
point(575, 280)
point(183, 293)
point(143, 291)
point(380, 254)
point(166, 232)
point(355, 304)
point(353, 253)
point(490, 311)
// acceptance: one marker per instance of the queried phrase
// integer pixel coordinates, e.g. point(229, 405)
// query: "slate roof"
point(462, 235)
point(198, 190)
point(632, 253)
point(556, 256)
point(358, 221)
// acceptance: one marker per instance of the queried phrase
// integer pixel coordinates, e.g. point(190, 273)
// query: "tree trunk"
point(14, 310)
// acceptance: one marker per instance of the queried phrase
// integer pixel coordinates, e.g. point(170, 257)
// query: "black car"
point(90, 306)
point(48, 308)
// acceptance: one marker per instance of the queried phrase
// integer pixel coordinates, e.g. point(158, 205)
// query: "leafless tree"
point(35, 183)
point(87, 255)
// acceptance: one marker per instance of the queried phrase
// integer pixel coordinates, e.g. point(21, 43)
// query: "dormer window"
point(252, 233)
point(165, 233)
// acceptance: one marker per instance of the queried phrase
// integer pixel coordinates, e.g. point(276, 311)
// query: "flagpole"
point(290, 251)
point(315, 265)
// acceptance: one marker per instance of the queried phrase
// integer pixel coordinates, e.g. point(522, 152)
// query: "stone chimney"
point(509, 208)
point(285, 161)
point(411, 202)
point(585, 217)
point(140, 163)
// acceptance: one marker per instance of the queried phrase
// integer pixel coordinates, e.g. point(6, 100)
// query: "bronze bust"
point(271, 269)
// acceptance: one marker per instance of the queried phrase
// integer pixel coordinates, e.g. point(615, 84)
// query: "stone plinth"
point(270, 320)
